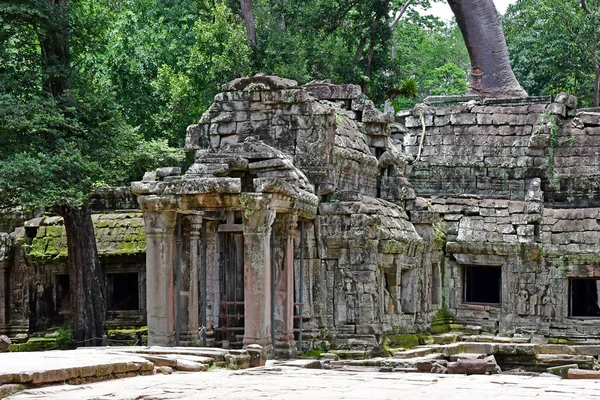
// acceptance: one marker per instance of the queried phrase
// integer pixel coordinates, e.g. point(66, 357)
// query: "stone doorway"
point(231, 277)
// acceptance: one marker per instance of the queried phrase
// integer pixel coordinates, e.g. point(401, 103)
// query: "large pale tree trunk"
point(86, 280)
point(246, 6)
point(491, 73)
point(85, 276)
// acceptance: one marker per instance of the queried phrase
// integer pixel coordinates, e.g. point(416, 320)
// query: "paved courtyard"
point(283, 382)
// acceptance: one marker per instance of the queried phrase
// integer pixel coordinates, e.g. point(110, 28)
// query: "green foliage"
point(446, 80)
point(314, 353)
point(62, 129)
point(65, 338)
point(431, 54)
point(552, 47)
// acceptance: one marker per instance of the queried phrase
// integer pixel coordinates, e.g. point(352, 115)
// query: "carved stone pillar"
point(284, 226)
point(160, 282)
point(213, 294)
point(190, 267)
point(5, 247)
point(257, 219)
point(3, 297)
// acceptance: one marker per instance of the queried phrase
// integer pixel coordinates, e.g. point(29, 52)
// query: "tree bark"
point(246, 6)
point(86, 280)
point(594, 51)
point(491, 73)
point(53, 36)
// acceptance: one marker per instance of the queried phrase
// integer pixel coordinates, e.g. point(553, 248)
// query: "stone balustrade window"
point(584, 299)
point(482, 284)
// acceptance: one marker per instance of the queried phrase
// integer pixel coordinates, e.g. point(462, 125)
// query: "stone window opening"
point(63, 293)
point(123, 291)
point(436, 284)
point(584, 299)
point(482, 284)
point(30, 234)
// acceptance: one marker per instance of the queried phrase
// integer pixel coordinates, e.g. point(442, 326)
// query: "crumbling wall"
point(514, 184)
point(366, 268)
point(36, 283)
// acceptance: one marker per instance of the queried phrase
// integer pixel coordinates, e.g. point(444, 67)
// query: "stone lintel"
point(501, 249)
point(479, 259)
point(443, 100)
point(515, 101)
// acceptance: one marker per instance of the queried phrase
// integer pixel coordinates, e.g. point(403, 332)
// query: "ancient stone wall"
point(515, 188)
point(494, 150)
point(34, 273)
point(367, 270)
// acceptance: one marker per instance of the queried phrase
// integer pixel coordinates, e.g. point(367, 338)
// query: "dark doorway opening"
point(63, 293)
point(584, 297)
point(483, 284)
point(231, 316)
point(123, 291)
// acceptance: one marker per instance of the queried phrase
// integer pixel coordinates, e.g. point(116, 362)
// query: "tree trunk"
point(246, 6)
point(54, 45)
point(491, 73)
point(86, 279)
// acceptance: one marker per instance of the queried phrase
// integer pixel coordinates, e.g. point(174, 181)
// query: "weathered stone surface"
point(582, 374)
point(4, 343)
point(562, 370)
point(164, 370)
point(237, 359)
point(468, 367)
point(258, 355)
point(261, 82)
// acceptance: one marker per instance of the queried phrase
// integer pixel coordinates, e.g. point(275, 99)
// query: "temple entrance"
point(231, 278)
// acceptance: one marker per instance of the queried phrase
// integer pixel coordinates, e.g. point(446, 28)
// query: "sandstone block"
point(582, 374)
point(4, 343)
point(189, 366)
point(562, 370)
point(468, 367)
point(463, 119)
point(237, 359)
point(438, 368)
point(164, 370)
point(258, 355)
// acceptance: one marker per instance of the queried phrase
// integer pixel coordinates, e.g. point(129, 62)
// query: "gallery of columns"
point(220, 262)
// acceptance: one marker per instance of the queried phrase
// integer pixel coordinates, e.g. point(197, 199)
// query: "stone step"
point(35, 368)
point(350, 354)
point(545, 361)
point(446, 338)
point(215, 353)
point(467, 356)
point(494, 339)
point(418, 352)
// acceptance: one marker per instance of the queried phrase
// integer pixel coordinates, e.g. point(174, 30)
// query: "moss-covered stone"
point(350, 354)
point(34, 344)
point(128, 336)
point(407, 341)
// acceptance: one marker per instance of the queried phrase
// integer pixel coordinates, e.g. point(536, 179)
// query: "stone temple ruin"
point(311, 219)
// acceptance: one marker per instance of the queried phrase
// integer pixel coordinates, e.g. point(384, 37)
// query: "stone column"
point(213, 294)
point(160, 281)
point(284, 226)
point(257, 220)
point(3, 297)
point(5, 247)
point(190, 267)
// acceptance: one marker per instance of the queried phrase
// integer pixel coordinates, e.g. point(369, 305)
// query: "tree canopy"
point(554, 46)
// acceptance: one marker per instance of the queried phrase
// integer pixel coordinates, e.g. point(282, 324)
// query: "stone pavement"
point(278, 381)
